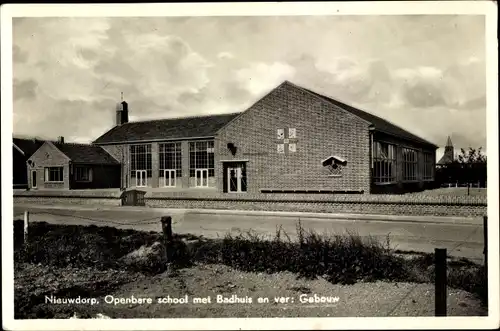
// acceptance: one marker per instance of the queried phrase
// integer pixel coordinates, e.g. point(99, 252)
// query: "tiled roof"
point(379, 123)
point(207, 126)
point(164, 129)
point(28, 146)
point(82, 153)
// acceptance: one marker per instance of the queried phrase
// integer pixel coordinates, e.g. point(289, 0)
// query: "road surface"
point(422, 234)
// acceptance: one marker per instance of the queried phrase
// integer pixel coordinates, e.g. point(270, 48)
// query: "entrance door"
point(33, 178)
point(201, 177)
point(236, 178)
point(169, 176)
point(141, 178)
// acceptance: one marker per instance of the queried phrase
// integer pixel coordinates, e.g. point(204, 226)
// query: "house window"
point(170, 159)
point(384, 162)
point(280, 134)
point(410, 164)
point(54, 174)
point(83, 174)
point(201, 157)
point(428, 166)
point(292, 133)
point(281, 148)
point(140, 160)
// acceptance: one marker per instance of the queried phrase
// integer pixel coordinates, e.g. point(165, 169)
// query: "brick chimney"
point(60, 140)
point(121, 112)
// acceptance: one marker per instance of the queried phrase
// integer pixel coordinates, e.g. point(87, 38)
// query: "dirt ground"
point(377, 299)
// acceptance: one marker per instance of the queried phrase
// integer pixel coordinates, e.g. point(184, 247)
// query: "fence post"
point(440, 281)
point(26, 224)
point(166, 225)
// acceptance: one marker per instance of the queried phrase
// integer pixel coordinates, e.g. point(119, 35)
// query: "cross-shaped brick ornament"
point(287, 141)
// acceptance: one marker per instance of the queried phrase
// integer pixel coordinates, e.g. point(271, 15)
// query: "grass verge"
point(107, 254)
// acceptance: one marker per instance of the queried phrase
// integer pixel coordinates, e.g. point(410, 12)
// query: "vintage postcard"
point(250, 166)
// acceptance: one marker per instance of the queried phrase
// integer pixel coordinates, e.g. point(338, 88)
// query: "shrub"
point(73, 245)
point(338, 258)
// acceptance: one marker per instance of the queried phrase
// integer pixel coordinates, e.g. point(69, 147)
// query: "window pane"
point(201, 156)
point(140, 159)
point(384, 160)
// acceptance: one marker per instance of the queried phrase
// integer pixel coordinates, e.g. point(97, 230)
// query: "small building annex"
point(60, 165)
point(291, 140)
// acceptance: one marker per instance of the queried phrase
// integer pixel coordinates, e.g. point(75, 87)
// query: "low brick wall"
point(73, 197)
point(418, 205)
point(415, 204)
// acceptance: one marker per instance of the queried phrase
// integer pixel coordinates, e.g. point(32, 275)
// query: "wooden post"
point(26, 224)
point(440, 281)
point(166, 225)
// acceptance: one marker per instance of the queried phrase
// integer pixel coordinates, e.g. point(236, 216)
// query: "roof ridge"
point(322, 97)
point(28, 138)
point(347, 105)
point(181, 117)
point(343, 105)
point(72, 143)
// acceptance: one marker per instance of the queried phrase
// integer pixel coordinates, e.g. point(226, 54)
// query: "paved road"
point(423, 235)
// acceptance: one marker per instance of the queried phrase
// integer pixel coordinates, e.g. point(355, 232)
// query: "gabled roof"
point(378, 123)
point(27, 146)
point(88, 154)
point(166, 129)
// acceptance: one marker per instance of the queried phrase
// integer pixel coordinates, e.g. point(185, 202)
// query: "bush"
point(73, 245)
point(338, 258)
point(342, 259)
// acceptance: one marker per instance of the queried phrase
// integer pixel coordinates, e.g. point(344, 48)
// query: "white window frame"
point(203, 177)
point(171, 181)
point(174, 154)
point(141, 164)
point(143, 176)
point(194, 161)
point(239, 177)
point(47, 175)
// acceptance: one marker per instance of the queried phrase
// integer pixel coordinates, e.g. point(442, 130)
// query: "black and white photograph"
point(250, 165)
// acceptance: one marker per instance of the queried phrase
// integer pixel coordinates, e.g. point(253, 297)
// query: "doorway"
point(201, 176)
point(33, 179)
point(169, 176)
point(141, 178)
point(235, 178)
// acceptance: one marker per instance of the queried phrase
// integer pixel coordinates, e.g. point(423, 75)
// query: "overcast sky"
point(424, 73)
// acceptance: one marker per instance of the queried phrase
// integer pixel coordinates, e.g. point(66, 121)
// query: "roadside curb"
point(319, 216)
